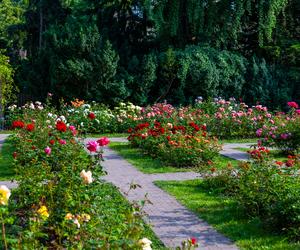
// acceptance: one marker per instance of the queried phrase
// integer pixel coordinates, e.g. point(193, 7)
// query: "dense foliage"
point(146, 51)
point(61, 200)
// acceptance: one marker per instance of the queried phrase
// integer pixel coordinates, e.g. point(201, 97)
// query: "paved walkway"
point(170, 220)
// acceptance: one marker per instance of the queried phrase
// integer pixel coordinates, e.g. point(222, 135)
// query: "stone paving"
point(170, 220)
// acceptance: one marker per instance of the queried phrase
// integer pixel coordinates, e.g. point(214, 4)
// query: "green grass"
point(148, 165)
point(275, 154)
point(226, 216)
point(245, 140)
point(141, 161)
point(6, 161)
point(109, 135)
point(7, 132)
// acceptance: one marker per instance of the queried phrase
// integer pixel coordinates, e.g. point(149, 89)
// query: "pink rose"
point(62, 142)
point(72, 128)
point(92, 146)
point(47, 150)
point(298, 111)
point(103, 141)
point(259, 132)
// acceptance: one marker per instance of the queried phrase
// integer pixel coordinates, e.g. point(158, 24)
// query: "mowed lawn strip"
point(226, 216)
point(148, 165)
point(6, 160)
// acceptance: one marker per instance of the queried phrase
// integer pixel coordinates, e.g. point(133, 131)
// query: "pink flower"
point(47, 150)
point(298, 111)
point(72, 128)
point(92, 146)
point(62, 142)
point(259, 132)
point(293, 105)
point(103, 141)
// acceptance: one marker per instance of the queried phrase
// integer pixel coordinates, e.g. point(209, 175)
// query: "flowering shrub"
point(266, 188)
point(61, 201)
point(180, 146)
point(285, 133)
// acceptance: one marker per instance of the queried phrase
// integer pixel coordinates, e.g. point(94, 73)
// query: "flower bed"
point(266, 188)
point(177, 145)
point(61, 202)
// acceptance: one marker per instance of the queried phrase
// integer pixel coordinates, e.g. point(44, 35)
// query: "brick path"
point(170, 220)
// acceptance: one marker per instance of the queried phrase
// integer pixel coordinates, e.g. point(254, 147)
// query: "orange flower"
point(77, 103)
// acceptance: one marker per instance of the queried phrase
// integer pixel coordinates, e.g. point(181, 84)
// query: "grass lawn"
point(109, 135)
point(275, 154)
point(245, 140)
point(141, 161)
point(226, 216)
point(148, 165)
point(6, 161)
point(6, 132)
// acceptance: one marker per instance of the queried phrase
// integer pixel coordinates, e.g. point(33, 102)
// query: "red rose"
point(18, 124)
point(130, 130)
point(194, 241)
point(30, 127)
point(103, 141)
point(51, 142)
point(61, 126)
point(15, 154)
point(92, 116)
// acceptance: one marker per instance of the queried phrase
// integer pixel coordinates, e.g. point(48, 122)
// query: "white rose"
point(86, 176)
point(145, 243)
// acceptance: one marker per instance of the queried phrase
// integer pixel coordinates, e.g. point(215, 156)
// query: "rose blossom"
point(62, 142)
point(92, 146)
point(145, 243)
point(4, 195)
point(103, 141)
point(47, 150)
point(86, 176)
point(293, 105)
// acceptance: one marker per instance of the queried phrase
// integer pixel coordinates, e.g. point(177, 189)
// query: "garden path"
point(9, 184)
point(170, 220)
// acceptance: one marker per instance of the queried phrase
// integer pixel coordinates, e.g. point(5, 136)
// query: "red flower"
point(195, 126)
point(279, 163)
point(30, 127)
point(15, 154)
point(103, 141)
point(92, 116)
point(293, 105)
point(193, 241)
point(52, 142)
point(130, 130)
point(61, 126)
point(18, 124)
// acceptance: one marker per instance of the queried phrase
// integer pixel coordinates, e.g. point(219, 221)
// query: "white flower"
point(86, 176)
point(145, 243)
point(50, 115)
point(38, 103)
point(31, 106)
point(76, 222)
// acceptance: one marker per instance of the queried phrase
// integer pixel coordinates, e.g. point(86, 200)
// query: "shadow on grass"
point(226, 216)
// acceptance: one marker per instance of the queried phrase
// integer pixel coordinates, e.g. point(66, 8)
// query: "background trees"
point(146, 51)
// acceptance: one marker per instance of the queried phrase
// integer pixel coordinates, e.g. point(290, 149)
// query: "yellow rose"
point(43, 211)
point(4, 195)
point(85, 217)
point(69, 216)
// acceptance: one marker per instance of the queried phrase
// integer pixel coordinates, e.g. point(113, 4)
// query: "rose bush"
point(61, 201)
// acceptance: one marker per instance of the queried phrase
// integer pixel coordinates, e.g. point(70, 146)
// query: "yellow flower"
point(86, 176)
point(43, 211)
point(85, 217)
point(4, 195)
point(69, 216)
